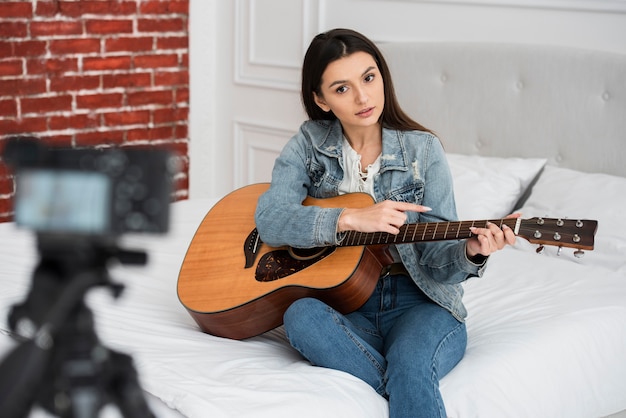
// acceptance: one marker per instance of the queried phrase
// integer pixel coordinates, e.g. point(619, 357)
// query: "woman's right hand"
point(387, 216)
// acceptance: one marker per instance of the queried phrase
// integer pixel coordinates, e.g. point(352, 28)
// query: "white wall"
point(245, 57)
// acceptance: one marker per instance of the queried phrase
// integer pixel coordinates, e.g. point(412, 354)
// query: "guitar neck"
point(425, 232)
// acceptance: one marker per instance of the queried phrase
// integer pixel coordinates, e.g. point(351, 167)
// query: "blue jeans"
point(399, 342)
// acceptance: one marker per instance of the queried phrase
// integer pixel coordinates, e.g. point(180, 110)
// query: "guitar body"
point(225, 297)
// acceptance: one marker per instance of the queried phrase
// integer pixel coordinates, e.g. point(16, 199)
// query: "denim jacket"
point(413, 169)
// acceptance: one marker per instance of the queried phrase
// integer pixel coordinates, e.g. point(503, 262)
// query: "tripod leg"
point(21, 373)
point(125, 389)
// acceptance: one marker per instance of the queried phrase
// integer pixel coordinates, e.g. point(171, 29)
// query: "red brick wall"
point(95, 73)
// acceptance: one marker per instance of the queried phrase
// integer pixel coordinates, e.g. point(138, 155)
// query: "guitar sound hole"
point(305, 254)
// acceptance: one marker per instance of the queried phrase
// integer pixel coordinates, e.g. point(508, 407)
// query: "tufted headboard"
point(564, 104)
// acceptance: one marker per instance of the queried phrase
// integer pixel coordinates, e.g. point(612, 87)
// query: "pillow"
point(565, 193)
point(490, 187)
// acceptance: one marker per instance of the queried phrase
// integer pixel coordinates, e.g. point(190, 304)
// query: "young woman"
point(410, 333)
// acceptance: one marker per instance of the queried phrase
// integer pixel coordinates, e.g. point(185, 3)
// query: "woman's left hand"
point(490, 239)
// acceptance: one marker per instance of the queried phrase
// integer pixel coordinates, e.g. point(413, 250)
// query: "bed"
point(535, 129)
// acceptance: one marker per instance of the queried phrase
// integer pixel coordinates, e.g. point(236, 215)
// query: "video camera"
point(94, 192)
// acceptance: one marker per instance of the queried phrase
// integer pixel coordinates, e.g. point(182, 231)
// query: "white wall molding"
point(612, 6)
point(255, 149)
point(269, 55)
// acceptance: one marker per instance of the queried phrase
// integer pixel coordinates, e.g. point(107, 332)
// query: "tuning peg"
point(558, 251)
point(540, 249)
point(579, 253)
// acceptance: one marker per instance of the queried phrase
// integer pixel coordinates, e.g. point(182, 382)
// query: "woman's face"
point(352, 88)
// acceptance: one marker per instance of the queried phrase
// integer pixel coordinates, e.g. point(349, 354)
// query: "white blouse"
point(354, 178)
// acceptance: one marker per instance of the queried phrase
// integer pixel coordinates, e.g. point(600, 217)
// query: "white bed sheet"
point(546, 339)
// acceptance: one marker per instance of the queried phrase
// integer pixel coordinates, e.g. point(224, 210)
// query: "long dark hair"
point(338, 43)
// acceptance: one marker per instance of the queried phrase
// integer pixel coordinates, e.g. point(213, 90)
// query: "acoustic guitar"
point(235, 286)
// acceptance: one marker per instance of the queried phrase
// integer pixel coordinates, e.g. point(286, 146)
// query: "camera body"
point(90, 192)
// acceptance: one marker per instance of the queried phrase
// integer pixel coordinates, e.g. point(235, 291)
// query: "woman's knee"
point(302, 309)
point(304, 316)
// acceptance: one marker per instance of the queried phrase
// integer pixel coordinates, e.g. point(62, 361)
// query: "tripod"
point(63, 367)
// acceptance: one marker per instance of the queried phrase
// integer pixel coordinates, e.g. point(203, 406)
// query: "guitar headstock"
point(572, 233)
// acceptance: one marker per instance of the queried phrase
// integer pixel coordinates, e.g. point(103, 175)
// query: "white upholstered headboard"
point(567, 105)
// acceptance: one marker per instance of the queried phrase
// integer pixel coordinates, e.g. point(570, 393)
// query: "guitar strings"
point(434, 231)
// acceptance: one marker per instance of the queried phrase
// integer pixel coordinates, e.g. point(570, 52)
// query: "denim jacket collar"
point(393, 155)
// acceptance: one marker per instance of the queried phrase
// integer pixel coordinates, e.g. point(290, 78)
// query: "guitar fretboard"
point(424, 231)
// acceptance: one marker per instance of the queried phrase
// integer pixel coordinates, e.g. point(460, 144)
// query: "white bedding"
point(547, 335)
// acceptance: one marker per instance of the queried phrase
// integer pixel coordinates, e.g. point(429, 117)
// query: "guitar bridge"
point(251, 247)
